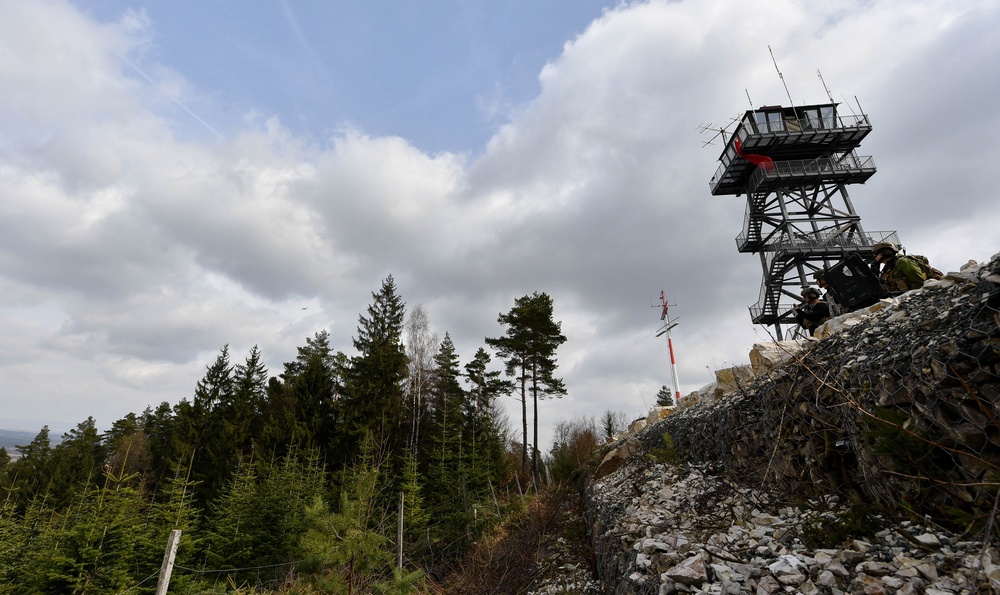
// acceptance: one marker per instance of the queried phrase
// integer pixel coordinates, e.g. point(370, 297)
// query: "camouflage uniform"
point(811, 316)
point(902, 274)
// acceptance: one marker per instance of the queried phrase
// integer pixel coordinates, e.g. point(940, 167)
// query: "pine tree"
point(216, 387)
point(528, 349)
point(315, 388)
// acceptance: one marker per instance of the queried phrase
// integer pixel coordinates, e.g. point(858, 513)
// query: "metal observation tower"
point(794, 165)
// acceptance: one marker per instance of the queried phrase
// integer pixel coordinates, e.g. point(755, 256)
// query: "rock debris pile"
point(664, 529)
point(566, 572)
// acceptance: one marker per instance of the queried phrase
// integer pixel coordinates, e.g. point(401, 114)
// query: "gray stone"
point(838, 569)
point(928, 570)
point(768, 584)
point(876, 568)
point(689, 572)
point(826, 579)
point(792, 579)
point(667, 587)
point(929, 539)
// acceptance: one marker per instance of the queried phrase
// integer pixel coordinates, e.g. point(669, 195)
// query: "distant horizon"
point(13, 424)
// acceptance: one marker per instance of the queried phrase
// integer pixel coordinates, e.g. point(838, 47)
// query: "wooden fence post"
point(399, 535)
point(168, 562)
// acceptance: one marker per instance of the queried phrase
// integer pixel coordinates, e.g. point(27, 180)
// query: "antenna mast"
point(782, 77)
point(668, 325)
point(825, 88)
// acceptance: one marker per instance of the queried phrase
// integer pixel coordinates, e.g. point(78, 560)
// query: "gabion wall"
point(901, 410)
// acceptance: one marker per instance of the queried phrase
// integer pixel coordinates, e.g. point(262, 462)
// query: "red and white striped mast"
point(665, 329)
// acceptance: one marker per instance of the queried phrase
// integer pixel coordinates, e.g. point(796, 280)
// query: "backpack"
point(925, 266)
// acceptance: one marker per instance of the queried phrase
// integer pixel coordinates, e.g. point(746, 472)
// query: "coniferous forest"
point(298, 482)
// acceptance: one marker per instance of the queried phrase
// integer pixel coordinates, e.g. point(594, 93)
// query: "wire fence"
point(267, 577)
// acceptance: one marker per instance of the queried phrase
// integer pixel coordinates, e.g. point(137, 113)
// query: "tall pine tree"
point(528, 349)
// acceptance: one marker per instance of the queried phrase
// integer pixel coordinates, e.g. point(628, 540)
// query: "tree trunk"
point(534, 443)
point(524, 419)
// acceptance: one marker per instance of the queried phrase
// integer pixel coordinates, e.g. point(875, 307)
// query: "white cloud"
point(149, 244)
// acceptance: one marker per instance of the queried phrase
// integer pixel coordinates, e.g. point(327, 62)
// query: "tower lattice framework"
point(794, 165)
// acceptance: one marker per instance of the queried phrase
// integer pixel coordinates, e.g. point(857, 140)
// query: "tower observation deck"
point(794, 165)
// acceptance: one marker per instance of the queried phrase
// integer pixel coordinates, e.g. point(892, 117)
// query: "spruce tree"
point(446, 471)
point(352, 543)
point(244, 422)
point(373, 403)
point(665, 398)
point(197, 432)
point(486, 428)
point(76, 463)
point(159, 427)
point(32, 472)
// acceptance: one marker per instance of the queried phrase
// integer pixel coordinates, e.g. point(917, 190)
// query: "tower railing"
point(824, 240)
point(787, 248)
point(826, 168)
point(838, 122)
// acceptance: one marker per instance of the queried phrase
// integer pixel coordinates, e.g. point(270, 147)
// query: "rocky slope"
point(865, 462)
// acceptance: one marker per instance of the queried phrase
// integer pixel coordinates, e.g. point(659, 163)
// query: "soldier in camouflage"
point(829, 297)
point(811, 313)
point(899, 274)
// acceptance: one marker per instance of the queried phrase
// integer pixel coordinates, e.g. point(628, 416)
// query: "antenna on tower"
point(849, 106)
point(825, 88)
point(668, 325)
point(718, 130)
point(782, 77)
point(750, 101)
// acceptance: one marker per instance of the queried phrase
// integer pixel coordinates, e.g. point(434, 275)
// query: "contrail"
point(300, 37)
point(177, 103)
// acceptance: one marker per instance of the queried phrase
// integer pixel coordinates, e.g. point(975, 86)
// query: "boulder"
point(689, 572)
point(614, 459)
point(765, 357)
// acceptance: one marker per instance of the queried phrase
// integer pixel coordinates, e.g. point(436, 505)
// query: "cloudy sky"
point(177, 176)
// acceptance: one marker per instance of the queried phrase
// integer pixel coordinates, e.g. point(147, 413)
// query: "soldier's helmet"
point(886, 250)
point(810, 292)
